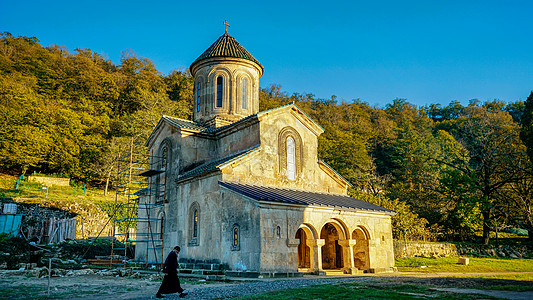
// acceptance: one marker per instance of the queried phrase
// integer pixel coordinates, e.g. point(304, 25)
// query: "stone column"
point(347, 251)
point(317, 255)
point(232, 96)
point(372, 254)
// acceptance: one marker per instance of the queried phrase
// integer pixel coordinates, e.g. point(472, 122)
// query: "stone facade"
point(275, 148)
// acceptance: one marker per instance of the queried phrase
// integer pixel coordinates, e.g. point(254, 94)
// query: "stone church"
point(245, 188)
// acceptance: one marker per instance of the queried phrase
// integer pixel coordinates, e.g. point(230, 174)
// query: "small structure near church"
point(245, 188)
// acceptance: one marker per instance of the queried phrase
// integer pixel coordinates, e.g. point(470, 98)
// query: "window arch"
point(244, 93)
point(194, 224)
point(290, 153)
point(235, 237)
point(220, 86)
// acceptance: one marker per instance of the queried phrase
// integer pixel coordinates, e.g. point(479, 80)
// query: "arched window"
point(162, 226)
point(161, 185)
point(194, 224)
point(236, 236)
point(198, 89)
point(290, 153)
point(291, 159)
point(244, 93)
point(219, 91)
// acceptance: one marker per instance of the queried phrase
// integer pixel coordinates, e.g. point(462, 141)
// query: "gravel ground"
point(261, 286)
point(92, 286)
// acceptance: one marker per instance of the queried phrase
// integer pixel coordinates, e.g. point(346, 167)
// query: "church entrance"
point(360, 250)
point(304, 252)
point(331, 251)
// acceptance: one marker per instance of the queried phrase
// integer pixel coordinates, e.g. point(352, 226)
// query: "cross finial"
point(227, 25)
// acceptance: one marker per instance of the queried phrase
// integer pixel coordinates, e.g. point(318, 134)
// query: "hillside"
point(452, 172)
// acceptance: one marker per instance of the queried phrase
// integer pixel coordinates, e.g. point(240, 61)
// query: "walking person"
point(171, 281)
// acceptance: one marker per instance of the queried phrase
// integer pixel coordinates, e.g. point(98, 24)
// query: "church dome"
point(225, 47)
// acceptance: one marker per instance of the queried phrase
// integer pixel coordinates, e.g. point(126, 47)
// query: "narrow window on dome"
point(198, 97)
point(291, 159)
point(219, 91)
point(244, 93)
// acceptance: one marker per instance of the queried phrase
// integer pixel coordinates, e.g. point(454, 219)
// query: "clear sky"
point(424, 51)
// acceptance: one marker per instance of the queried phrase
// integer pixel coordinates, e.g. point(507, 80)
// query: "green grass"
point(477, 265)
point(521, 277)
point(357, 291)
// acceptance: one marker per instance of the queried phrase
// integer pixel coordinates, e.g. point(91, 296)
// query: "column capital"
point(347, 243)
point(293, 242)
point(320, 242)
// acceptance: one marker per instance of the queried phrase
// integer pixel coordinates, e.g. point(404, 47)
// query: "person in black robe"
point(171, 281)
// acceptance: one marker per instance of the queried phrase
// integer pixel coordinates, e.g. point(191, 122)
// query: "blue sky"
point(424, 51)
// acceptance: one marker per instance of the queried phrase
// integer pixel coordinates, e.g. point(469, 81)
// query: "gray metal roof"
point(181, 123)
point(214, 164)
point(299, 197)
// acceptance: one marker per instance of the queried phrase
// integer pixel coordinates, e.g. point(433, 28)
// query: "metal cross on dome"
point(227, 25)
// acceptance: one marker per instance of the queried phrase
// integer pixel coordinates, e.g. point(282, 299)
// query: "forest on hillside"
point(450, 172)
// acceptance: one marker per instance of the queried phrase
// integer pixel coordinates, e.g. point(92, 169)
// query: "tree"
point(526, 131)
point(493, 146)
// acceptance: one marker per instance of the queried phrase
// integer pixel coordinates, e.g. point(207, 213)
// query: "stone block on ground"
point(463, 261)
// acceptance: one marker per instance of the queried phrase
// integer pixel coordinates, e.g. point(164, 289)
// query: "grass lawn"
point(358, 291)
point(477, 265)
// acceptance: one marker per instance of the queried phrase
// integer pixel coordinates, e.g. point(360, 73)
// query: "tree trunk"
point(106, 185)
point(486, 228)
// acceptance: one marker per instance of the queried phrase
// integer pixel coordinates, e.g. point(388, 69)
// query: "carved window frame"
point(194, 224)
point(283, 136)
point(163, 163)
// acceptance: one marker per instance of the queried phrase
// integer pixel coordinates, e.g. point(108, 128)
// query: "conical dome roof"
point(226, 46)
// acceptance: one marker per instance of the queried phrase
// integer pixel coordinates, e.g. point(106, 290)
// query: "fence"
point(53, 231)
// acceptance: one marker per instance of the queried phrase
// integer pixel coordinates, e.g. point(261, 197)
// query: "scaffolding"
point(138, 216)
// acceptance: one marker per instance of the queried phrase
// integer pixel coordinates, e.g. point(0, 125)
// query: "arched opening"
point(304, 251)
point(360, 250)
point(219, 91)
point(332, 256)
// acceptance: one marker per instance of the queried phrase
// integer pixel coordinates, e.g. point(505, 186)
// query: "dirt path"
point(106, 287)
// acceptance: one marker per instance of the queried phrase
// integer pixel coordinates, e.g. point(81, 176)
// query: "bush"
point(84, 249)
point(13, 250)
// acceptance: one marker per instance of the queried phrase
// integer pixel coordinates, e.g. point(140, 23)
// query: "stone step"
point(334, 272)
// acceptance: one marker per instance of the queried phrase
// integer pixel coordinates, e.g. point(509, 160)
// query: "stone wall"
point(412, 249)
point(427, 249)
point(50, 181)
